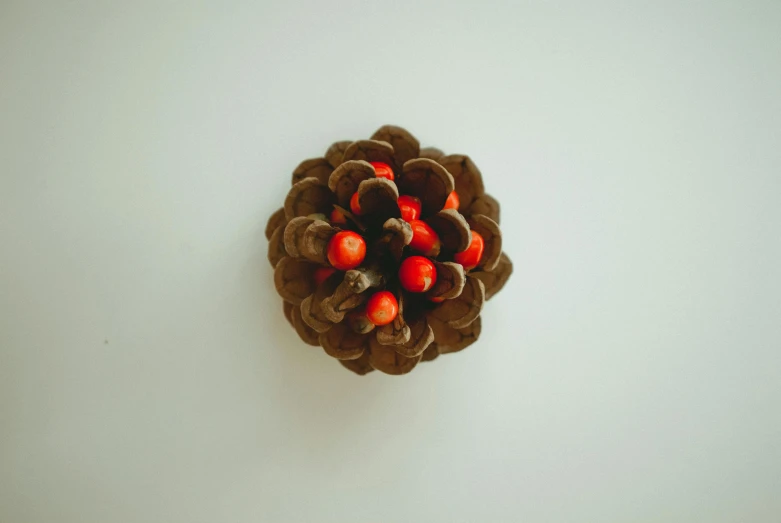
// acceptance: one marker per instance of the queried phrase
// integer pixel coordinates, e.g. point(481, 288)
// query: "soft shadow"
point(316, 401)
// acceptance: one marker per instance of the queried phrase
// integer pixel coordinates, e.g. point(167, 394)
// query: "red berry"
point(338, 216)
point(437, 299)
point(471, 256)
point(354, 205)
point(424, 238)
point(382, 170)
point(382, 308)
point(346, 250)
point(410, 208)
point(322, 274)
point(417, 274)
point(452, 201)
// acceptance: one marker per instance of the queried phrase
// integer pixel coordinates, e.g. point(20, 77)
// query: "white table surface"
point(629, 371)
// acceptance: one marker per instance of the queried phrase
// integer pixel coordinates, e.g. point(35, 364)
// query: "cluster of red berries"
point(417, 274)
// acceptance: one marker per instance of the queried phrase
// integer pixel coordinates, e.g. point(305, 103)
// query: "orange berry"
point(346, 250)
point(452, 201)
point(436, 299)
point(424, 238)
point(338, 216)
point(382, 308)
point(470, 257)
point(322, 274)
point(417, 274)
point(382, 170)
point(354, 205)
point(410, 208)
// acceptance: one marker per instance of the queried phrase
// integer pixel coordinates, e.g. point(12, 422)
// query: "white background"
point(629, 371)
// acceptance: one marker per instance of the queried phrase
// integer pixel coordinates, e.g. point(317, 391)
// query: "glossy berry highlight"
point(417, 274)
point(382, 170)
point(424, 239)
point(382, 308)
point(410, 207)
point(346, 250)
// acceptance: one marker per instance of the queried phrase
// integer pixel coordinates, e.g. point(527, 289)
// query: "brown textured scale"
point(396, 235)
point(369, 150)
point(450, 281)
point(309, 196)
point(314, 245)
point(313, 168)
point(495, 279)
point(358, 322)
point(427, 180)
point(275, 221)
point(360, 366)
point(335, 153)
point(378, 199)
point(431, 353)
point(293, 279)
point(492, 237)
point(307, 334)
point(345, 179)
point(344, 344)
point(432, 153)
point(420, 338)
point(349, 295)
point(312, 306)
point(385, 359)
point(485, 205)
point(452, 228)
point(364, 277)
point(294, 235)
point(465, 308)
point(405, 146)
point(276, 246)
point(450, 339)
point(332, 309)
point(467, 178)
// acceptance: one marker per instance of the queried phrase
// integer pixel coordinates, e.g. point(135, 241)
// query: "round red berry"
point(382, 170)
point(346, 250)
point(452, 201)
point(410, 207)
point(424, 238)
point(355, 207)
point(338, 216)
point(417, 274)
point(382, 308)
point(437, 299)
point(471, 256)
point(322, 274)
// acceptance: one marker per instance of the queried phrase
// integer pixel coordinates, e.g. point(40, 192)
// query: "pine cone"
point(328, 307)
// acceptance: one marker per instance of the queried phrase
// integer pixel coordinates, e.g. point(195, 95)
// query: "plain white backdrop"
point(629, 371)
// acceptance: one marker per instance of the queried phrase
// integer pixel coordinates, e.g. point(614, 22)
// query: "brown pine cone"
point(328, 307)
